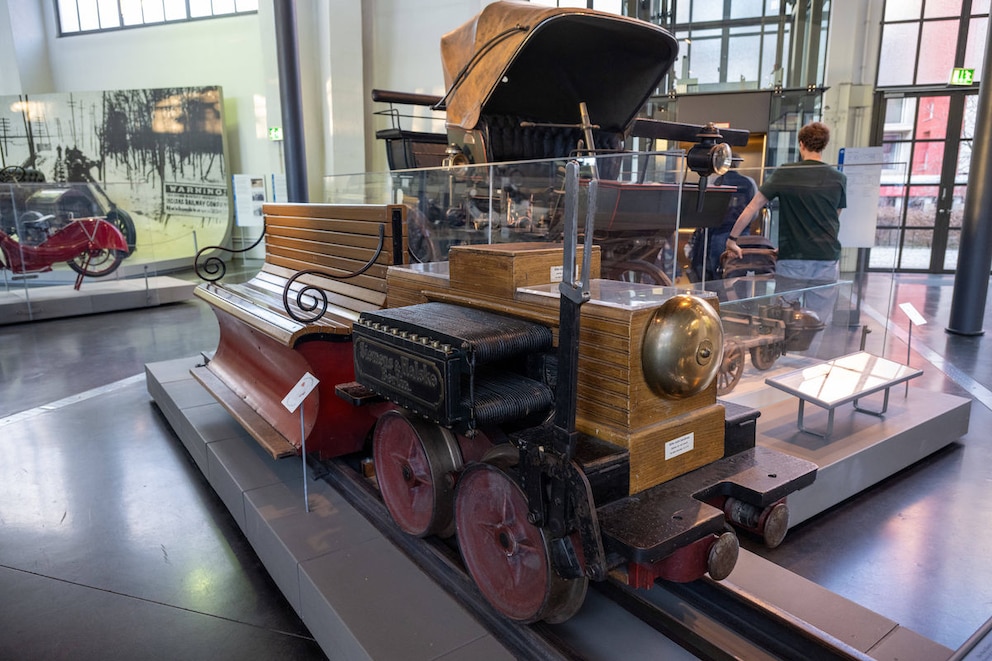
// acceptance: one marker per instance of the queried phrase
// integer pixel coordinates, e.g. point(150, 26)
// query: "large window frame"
point(76, 17)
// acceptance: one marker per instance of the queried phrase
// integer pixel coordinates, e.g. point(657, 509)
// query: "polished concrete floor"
point(113, 546)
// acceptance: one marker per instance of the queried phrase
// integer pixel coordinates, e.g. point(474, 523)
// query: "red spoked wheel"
point(507, 556)
point(415, 464)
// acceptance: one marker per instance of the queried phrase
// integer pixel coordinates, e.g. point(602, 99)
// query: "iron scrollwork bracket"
point(213, 268)
point(319, 296)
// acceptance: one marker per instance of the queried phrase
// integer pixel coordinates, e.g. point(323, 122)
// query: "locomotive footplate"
point(654, 523)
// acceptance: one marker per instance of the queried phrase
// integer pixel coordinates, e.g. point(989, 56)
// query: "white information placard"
point(913, 314)
point(249, 196)
point(863, 168)
point(303, 387)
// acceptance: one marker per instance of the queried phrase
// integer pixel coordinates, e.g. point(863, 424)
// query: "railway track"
point(709, 619)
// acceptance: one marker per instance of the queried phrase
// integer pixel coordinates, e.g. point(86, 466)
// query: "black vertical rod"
point(971, 282)
point(291, 101)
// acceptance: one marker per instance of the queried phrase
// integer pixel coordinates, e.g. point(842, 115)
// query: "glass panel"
point(682, 12)
point(175, 10)
point(898, 55)
point(928, 159)
point(199, 8)
point(890, 205)
point(895, 160)
point(936, 56)
point(227, 7)
point(916, 250)
point(704, 61)
point(611, 6)
point(707, 10)
point(109, 16)
point(746, 8)
point(974, 53)
point(957, 207)
point(68, 19)
point(979, 6)
point(921, 208)
point(886, 250)
point(967, 138)
point(899, 117)
point(931, 120)
point(131, 12)
point(953, 249)
point(901, 10)
point(89, 15)
point(742, 59)
point(942, 8)
point(152, 11)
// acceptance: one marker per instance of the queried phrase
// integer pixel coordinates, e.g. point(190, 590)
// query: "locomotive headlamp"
point(710, 156)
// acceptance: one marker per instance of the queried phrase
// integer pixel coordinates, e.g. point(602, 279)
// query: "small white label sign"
point(679, 445)
point(556, 273)
point(913, 314)
point(303, 387)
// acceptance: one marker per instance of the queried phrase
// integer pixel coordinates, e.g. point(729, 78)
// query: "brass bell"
point(682, 348)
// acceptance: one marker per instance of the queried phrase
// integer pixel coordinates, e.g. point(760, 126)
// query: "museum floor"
point(113, 545)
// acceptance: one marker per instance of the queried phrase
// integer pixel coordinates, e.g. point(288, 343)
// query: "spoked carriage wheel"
point(507, 556)
point(638, 270)
point(96, 263)
point(731, 368)
point(415, 464)
point(763, 356)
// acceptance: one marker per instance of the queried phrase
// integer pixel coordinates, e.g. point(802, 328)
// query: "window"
point(82, 16)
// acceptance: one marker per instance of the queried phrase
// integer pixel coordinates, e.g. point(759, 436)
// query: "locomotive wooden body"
point(560, 443)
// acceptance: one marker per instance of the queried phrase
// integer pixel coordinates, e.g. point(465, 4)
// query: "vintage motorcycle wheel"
point(96, 263)
point(122, 220)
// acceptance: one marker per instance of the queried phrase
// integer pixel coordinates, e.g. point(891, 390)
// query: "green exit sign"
point(275, 133)
point(961, 76)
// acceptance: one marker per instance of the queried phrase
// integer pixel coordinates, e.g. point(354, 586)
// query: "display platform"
point(19, 304)
point(362, 598)
point(862, 450)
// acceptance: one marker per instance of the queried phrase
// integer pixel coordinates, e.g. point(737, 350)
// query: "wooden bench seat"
point(272, 332)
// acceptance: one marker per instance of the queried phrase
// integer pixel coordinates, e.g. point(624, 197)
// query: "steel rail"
point(710, 619)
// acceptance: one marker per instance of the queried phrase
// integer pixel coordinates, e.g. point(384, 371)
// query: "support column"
point(291, 100)
point(971, 282)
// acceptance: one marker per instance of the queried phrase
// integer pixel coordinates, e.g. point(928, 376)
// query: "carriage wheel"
point(731, 368)
point(507, 555)
point(763, 356)
point(415, 464)
point(96, 263)
point(639, 270)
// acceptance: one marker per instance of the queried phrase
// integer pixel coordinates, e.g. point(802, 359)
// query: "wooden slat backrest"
point(337, 239)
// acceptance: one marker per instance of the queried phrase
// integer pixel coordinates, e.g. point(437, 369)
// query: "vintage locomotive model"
point(564, 429)
point(555, 465)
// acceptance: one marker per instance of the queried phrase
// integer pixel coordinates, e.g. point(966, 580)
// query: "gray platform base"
point(863, 449)
point(362, 598)
point(36, 303)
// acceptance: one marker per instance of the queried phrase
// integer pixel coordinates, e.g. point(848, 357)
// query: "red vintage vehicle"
point(91, 246)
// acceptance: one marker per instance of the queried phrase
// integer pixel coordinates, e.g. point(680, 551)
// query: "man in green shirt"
point(811, 195)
